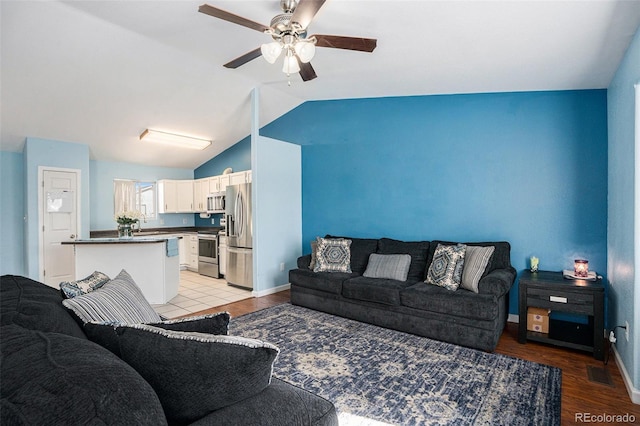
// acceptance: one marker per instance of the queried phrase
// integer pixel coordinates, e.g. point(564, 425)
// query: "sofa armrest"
point(497, 282)
point(304, 261)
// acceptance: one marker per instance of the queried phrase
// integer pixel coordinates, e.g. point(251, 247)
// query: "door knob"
point(72, 236)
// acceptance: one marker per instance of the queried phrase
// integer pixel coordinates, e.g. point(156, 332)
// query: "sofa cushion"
point(418, 250)
point(462, 303)
point(446, 268)
point(333, 255)
point(379, 290)
point(35, 306)
point(282, 403)
point(391, 266)
point(331, 282)
point(119, 300)
point(52, 378)
point(475, 263)
point(361, 248)
point(105, 334)
point(196, 373)
point(86, 285)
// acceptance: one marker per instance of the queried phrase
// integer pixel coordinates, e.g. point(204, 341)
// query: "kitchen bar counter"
point(152, 262)
point(151, 232)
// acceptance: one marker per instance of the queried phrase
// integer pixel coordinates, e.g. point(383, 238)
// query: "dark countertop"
point(116, 240)
point(152, 232)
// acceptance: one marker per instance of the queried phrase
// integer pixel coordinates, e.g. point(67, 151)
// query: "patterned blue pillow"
point(447, 265)
point(86, 285)
point(333, 255)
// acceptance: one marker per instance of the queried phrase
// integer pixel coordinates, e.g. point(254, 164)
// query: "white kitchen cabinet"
point(224, 182)
point(214, 184)
point(184, 189)
point(237, 178)
point(222, 255)
point(193, 253)
point(182, 250)
point(167, 196)
point(200, 193)
point(175, 196)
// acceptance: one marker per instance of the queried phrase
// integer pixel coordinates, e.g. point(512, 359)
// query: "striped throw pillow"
point(475, 262)
point(391, 266)
point(119, 300)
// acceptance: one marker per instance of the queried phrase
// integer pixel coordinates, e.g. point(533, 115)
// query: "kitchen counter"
point(151, 232)
point(152, 262)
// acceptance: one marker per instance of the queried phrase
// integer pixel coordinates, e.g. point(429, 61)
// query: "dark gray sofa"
point(462, 317)
point(51, 374)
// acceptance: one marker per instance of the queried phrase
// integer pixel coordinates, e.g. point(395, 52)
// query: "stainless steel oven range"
point(208, 259)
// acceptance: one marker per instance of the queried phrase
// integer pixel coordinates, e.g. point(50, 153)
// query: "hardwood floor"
point(580, 396)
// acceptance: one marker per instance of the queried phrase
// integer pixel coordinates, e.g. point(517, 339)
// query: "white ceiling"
point(100, 72)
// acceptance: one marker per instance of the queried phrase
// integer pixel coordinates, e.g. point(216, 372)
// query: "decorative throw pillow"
point(105, 334)
point(333, 255)
point(195, 373)
point(314, 251)
point(391, 266)
point(119, 300)
point(475, 262)
point(86, 285)
point(446, 268)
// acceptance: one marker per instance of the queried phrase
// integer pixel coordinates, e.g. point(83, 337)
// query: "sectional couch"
point(461, 317)
point(52, 374)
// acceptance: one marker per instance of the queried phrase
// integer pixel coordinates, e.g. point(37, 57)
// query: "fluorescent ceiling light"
point(158, 136)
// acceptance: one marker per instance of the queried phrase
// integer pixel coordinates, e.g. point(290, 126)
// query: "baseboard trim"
point(514, 318)
point(271, 290)
point(634, 393)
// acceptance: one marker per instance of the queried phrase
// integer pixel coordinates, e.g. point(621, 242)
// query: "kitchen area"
point(211, 266)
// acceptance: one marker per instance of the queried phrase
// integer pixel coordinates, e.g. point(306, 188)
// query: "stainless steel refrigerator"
point(239, 236)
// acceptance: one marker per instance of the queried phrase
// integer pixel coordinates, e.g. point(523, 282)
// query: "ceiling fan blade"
point(349, 43)
point(305, 11)
point(244, 59)
point(230, 17)
point(306, 70)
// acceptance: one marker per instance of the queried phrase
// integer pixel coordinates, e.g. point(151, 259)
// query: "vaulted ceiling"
point(100, 72)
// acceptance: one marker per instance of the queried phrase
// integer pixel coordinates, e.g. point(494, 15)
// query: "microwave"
point(215, 202)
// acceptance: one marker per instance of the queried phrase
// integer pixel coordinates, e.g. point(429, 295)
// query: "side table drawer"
point(581, 303)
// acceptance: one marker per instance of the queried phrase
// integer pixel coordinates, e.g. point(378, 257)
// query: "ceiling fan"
point(289, 33)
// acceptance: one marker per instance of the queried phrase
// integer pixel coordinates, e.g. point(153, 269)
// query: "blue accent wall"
point(238, 157)
point(12, 213)
point(529, 168)
point(624, 208)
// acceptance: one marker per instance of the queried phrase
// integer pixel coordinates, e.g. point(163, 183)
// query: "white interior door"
point(59, 216)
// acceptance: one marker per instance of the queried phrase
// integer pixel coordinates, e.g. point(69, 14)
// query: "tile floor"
point(197, 293)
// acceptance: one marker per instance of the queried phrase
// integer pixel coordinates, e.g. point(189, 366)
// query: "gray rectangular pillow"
point(390, 266)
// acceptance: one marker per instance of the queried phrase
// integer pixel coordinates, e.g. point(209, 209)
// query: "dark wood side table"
point(550, 290)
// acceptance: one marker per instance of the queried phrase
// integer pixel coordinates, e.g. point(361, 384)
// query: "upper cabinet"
point(175, 196)
point(190, 196)
point(200, 192)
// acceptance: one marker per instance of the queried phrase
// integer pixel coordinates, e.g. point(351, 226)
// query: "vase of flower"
point(125, 231)
point(125, 221)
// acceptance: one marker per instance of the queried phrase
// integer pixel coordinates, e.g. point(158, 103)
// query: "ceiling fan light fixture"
point(305, 50)
point(174, 139)
point(271, 51)
point(290, 65)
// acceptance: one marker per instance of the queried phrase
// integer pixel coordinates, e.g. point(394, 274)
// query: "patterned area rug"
point(376, 376)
